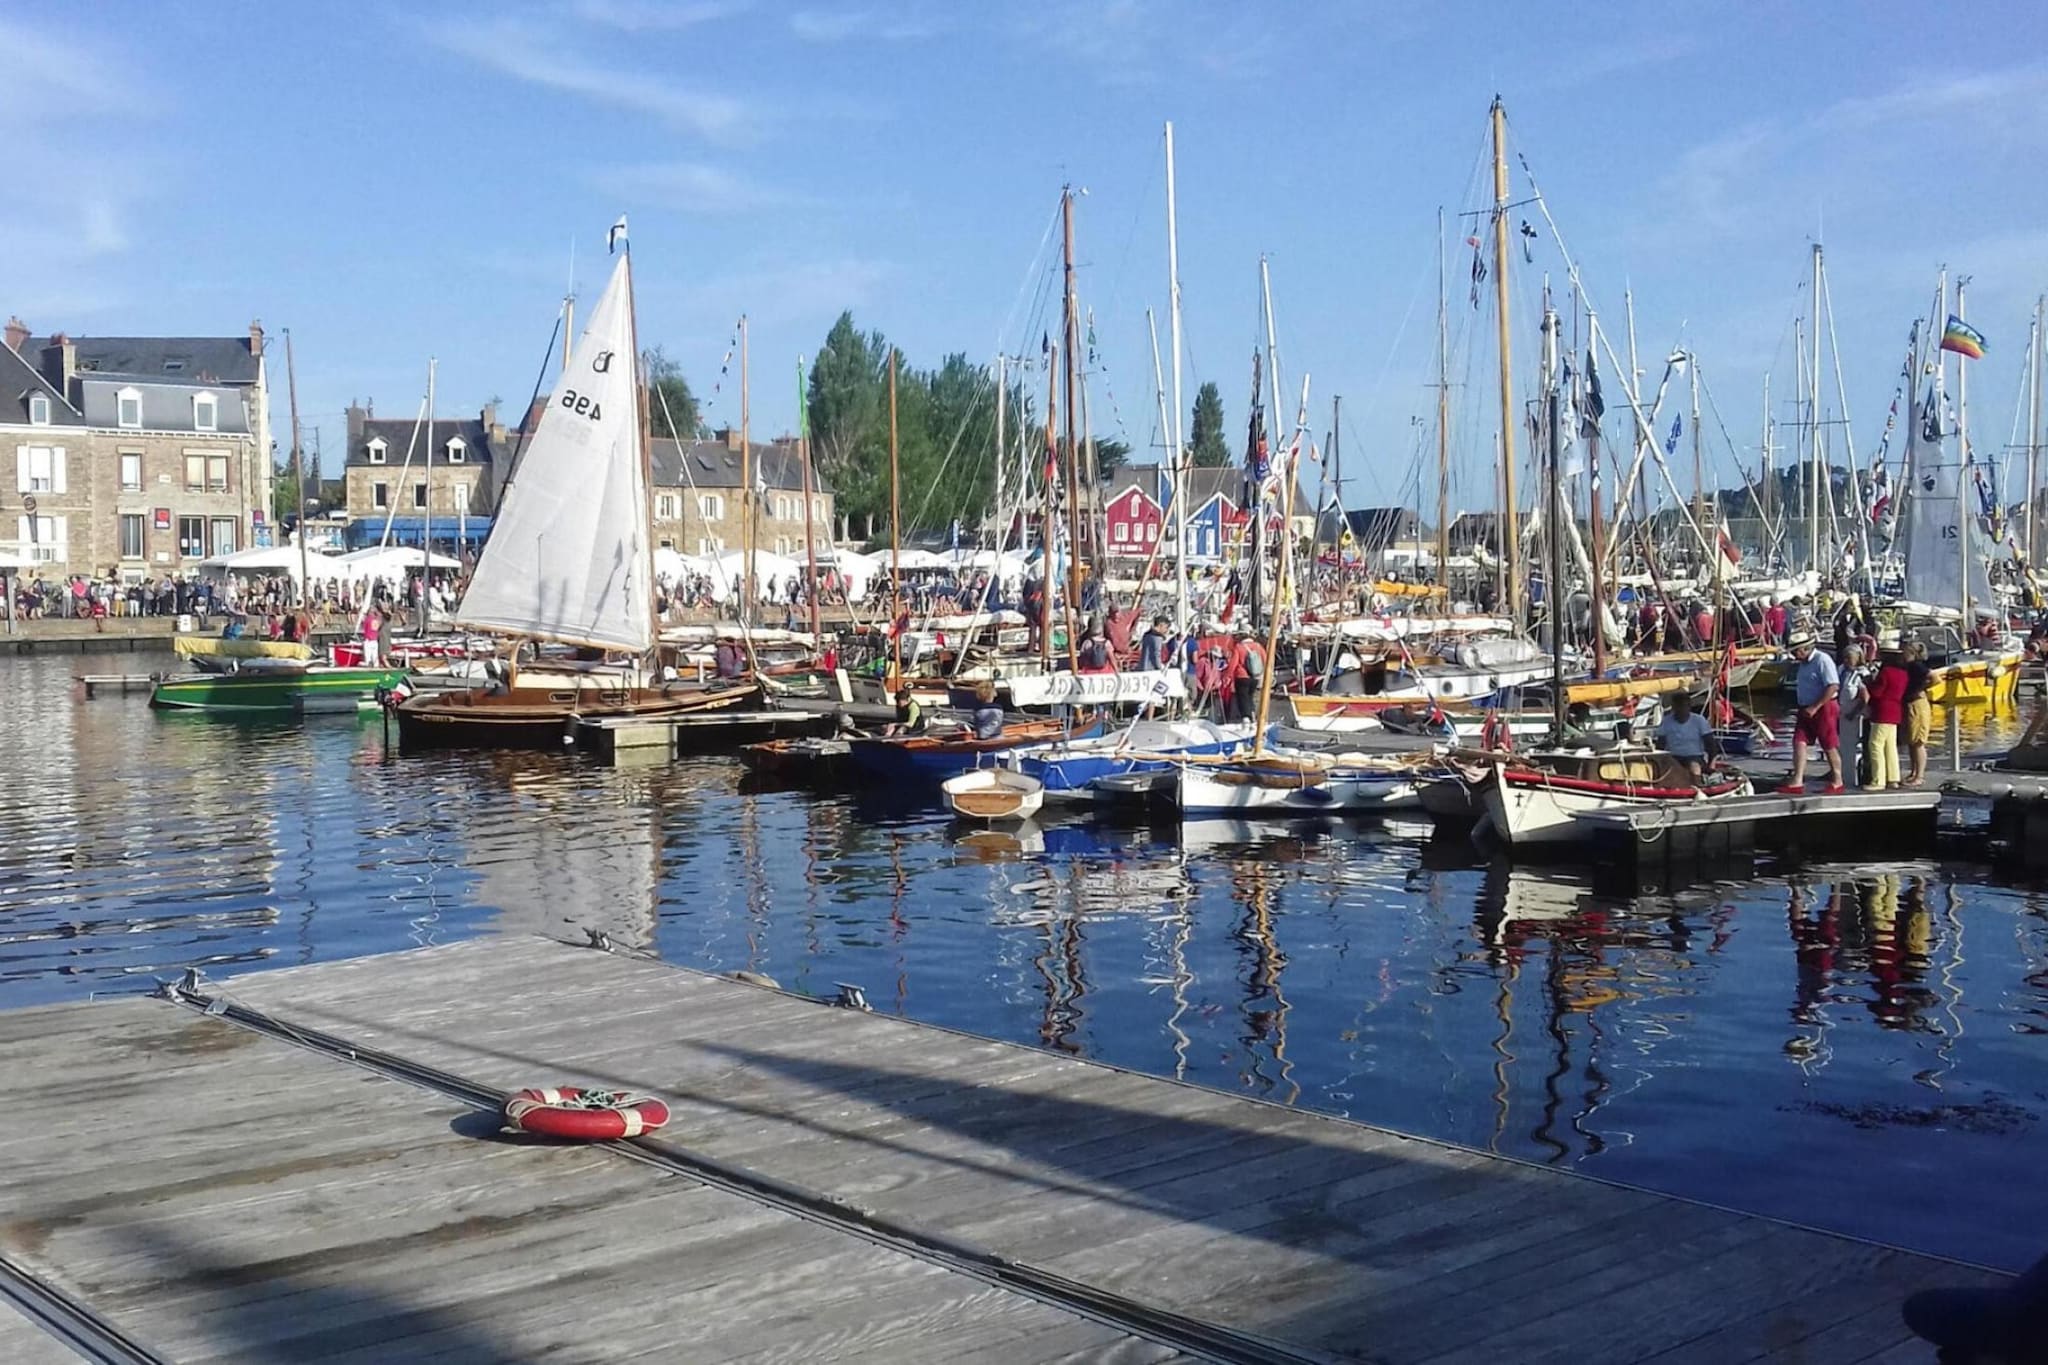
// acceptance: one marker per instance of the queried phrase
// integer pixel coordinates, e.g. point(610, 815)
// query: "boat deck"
point(834, 1184)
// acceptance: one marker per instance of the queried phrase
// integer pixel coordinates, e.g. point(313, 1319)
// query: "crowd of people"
point(98, 597)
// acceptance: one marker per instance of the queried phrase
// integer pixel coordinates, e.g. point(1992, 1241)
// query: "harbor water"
point(1862, 1048)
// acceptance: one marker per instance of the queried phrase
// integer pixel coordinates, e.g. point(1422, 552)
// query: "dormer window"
point(39, 409)
point(128, 408)
point(377, 449)
point(457, 451)
point(205, 413)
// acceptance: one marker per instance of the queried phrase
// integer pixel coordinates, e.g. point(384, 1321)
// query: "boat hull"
point(1242, 789)
point(1530, 808)
point(486, 718)
point(278, 693)
point(1977, 680)
point(992, 794)
point(926, 760)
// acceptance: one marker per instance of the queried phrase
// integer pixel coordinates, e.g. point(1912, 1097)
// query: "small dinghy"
point(994, 794)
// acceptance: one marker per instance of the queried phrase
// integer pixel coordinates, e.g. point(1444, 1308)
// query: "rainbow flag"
point(1962, 338)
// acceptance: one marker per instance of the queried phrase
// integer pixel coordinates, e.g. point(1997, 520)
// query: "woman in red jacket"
point(1886, 701)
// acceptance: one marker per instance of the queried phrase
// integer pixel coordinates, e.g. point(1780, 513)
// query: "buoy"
point(584, 1115)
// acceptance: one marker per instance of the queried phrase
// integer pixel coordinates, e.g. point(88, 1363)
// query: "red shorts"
point(1822, 728)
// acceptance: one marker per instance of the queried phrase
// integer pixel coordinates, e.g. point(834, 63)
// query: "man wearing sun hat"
point(1819, 720)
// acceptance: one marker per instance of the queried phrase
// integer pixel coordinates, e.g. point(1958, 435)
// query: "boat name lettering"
point(583, 405)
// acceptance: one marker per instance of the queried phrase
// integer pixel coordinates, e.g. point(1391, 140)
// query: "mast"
point(1180, 449)
point(1816, 477)
point(748, 511)
point(1280, 586)
point(1965, 468)
point(1554, 520)
point(1443, 427)
point(1343, 515)
point(1770, 477)
point(291, 378)
point(1273, 447)
point(1049, 534)
point(896, 622)
point(568, 317)
point(1595, 561)
point(1699, 464)
point(1070, 330)
point(2033, 425)
point(1510, 541)
point(643, 424)
point(427, 512)
point(803, 454)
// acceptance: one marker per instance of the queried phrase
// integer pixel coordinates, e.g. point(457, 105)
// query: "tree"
point(284, 497)
point(1111, 455)
point(847, 399)
point(669, 398)
point(1205, 438)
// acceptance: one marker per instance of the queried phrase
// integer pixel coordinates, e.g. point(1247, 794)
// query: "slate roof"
point(397, 434)
point(18, 379)
point(181, 360)
point(714, 465)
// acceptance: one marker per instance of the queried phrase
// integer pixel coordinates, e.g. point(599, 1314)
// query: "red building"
point(1135, 522)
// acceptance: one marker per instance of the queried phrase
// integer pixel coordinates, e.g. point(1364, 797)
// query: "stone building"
point(137, 456)
point(698, 509)
point(389, 477)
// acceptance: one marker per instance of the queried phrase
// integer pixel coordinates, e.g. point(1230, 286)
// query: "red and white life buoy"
point(1495, 735)
point(587, 1115)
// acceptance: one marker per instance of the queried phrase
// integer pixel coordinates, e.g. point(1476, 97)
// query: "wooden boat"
point(808, 758)
point(534, 718)
point(1275, 783)
point(1532, 799)
point(1069, 768)
point(933, 757)
point(274, 687)
point(1977, 677)
point(994, 794)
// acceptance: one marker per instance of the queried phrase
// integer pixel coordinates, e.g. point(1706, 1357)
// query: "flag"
point(1728, 550)
point(1595, 407)
point(1962, 338)
point(1528, 236)
point(616, 235)
point(1930, 418)
point(1671, 441)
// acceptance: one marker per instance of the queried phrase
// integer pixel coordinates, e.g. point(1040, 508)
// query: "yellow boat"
point(217, 647)
point(1978, 678)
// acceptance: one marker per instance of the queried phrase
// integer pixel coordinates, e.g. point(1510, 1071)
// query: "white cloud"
point(538, 55)
point(691, 187)
point(652, 16)
point(843, 25)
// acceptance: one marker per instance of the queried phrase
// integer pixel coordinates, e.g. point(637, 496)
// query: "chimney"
point(731, 437)
point(489, 418)
point(356, 417)
point(256, 338)
point(17, 334)
point(60, 363)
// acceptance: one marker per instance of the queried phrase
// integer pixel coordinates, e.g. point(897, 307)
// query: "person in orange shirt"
point(1247, 669)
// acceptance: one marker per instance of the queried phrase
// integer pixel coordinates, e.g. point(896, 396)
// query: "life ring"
point(586, 1115)
point(1495, 735)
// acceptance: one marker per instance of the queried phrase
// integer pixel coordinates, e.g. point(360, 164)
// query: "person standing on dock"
point(1819, 716)
point(1887, 713)
point(1152, 645)
point(373, 630)
point(1855, 710)
point(1919, 710)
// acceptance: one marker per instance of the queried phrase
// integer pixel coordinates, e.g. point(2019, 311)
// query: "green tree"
point(284, 496)
point(847, 399)
point(669, 397)
point(1205, 437)
point(1111, 455)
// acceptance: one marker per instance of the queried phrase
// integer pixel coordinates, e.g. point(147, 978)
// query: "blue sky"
point(397, 181)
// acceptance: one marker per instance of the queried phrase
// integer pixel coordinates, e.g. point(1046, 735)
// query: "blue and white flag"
point(1671, 441)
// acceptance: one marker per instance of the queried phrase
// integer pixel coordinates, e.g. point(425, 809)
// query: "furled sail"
point(568, 558)
point(1935, 542)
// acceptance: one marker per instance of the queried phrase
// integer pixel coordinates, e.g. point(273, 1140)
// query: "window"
point(195, 473)
point(131, 535)
point(818, 508)
point(216, 473)
point(39, 469)
point(665, 506)
point(461, 491)
point(419, 495)
point(39, 409)
point(205, 413)
point(41, 538)
point(380, 495)
point(377, 449)
point(192, 537)
point(223, 539)
point(711, 506)
point(131, 471)
point(710, 545)
point(128, 408)
point(457, 451)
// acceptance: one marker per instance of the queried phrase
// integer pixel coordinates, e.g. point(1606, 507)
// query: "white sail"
point(1935, 507)
point(568, 557)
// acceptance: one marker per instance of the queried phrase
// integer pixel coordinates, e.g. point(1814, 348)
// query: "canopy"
point(9, 560)
point(388, 561)
point(772, 572)
point(919, 559)
point(283, 559)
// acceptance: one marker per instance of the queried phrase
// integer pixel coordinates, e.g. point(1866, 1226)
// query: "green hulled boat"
point(282, 688)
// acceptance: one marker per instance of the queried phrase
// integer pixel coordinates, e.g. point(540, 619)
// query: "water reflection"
point(1855, 1047)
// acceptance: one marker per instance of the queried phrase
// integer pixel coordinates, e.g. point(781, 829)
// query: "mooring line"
point(1194, 1336)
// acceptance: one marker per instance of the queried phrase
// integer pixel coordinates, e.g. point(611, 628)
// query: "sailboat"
point(570, 562)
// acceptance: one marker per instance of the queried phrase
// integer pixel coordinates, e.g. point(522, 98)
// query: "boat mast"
point(1770, 477)
point(2033, 423)
point(1511, 553)
point(896, 621)
point(643, 420)
point(803, 454)
point(1553, 521)
point(1180, 450)
point(1699, 464)
point(1273, 441)
point(1964, 467)
point(427, 512)
point(1280, 586)
point(1070, 331)
point(1816, 478)
point(291, 379)
point(747, 508)
point(1443, 427)
point(1050, 534)
point(1595, 564)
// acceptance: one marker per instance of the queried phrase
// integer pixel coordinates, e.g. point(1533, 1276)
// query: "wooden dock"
point(1685, 840)
point(313, 1170)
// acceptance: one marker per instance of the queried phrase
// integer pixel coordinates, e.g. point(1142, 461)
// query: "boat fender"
point(757, 979)
point(583, 1115)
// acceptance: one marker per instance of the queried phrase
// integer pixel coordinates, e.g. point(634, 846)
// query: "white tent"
point(10, 561)
point(920, 559)
point(273, 559)
point(387, 561)
point(772, 573)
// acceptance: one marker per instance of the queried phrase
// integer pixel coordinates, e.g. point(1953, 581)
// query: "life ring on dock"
point(584, 1115)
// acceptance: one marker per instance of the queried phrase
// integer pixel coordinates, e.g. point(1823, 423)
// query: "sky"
point(393, 182)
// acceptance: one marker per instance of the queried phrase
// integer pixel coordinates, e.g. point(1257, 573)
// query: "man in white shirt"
point(1686, 735)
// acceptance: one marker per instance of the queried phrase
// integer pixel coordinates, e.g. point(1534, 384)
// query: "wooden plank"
point(24, 1342)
